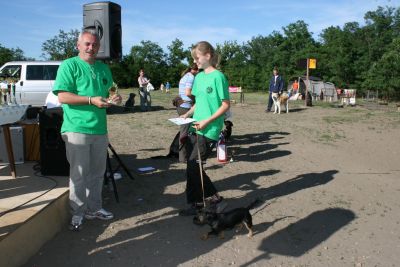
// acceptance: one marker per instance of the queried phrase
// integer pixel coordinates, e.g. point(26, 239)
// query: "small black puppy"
point(227, 132)
point(130, 103)
point(227, 220)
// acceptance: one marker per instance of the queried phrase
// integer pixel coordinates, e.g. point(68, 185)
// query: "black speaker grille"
point(53, 159)
point(106, 17)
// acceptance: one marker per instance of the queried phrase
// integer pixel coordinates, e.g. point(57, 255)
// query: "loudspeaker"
point(32, 112)
point(53, 159)
point(105, 17)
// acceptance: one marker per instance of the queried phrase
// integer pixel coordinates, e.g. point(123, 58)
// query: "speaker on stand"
point(105, 17)
point(53, 159)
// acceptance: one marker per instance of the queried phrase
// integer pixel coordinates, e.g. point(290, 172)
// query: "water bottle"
point(221, 150)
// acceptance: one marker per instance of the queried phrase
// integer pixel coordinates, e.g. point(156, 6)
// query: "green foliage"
point(10, 54)
point(232, 61)
point(384, 74)
point(62, 46)
point(175, 62)
point(150, 57)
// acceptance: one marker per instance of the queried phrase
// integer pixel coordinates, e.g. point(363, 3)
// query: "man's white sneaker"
point(76, 223)
point(101, 214)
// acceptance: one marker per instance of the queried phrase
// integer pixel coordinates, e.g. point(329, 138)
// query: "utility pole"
point(308, 81)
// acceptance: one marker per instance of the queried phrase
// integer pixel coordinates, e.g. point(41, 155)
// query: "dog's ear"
point(228, 123)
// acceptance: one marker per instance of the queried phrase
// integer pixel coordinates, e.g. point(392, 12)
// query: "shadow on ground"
point(305, 234)
point(147, 230)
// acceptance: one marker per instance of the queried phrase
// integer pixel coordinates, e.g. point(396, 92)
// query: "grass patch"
point(348, 116)
point(323, 104)
point(329, 137)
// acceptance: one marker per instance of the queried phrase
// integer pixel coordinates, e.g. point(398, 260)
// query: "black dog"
point(227, 220)
point(227, 132)
point(129, 104)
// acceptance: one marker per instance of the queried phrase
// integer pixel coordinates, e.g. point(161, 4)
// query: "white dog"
point(280, 100)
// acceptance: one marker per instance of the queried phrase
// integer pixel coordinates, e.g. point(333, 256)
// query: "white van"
point(35, 79)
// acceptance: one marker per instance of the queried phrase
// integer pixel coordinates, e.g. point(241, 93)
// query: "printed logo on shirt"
point(209, 89)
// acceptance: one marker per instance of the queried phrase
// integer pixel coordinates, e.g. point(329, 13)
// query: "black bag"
point(173, 149)
point(177, 101)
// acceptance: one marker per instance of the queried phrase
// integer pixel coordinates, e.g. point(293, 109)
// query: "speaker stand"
point(115, 154)
point(109, 174)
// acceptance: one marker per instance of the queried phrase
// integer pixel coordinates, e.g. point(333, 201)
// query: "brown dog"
point(282, 99)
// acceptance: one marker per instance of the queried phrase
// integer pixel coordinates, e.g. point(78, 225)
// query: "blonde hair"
point(205, 47)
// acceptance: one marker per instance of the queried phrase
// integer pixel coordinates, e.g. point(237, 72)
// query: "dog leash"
point(201, 168)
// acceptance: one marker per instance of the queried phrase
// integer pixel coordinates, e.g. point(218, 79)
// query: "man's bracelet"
point(90, 100)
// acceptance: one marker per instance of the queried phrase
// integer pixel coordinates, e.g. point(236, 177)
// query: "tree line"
point(352, 56)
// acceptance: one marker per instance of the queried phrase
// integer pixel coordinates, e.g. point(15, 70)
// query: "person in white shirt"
point(145, 102)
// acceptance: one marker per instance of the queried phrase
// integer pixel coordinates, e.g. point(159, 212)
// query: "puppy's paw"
point(221, 235)
point(250, 234)
point(204, 237)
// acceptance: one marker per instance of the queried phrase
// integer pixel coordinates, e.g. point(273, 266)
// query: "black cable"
point(36, 168)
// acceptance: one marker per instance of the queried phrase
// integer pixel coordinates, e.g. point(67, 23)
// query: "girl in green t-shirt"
point(210, 89)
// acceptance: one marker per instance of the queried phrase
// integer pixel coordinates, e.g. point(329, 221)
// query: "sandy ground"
point(328, 179)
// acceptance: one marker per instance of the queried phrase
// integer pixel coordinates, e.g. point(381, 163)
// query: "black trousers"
point(270, 101)
point(194, 191)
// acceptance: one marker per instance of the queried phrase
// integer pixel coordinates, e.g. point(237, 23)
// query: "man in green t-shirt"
point(82, 86)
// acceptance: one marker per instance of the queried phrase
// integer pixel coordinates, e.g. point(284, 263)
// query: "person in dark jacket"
point(275, 86)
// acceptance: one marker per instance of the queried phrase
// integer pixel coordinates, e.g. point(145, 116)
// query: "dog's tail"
point(253, 204)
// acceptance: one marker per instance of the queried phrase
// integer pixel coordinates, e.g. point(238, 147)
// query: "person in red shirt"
point(295, 86)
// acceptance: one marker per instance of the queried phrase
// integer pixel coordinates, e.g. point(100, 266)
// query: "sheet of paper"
point(181, 121)
point(146, 169)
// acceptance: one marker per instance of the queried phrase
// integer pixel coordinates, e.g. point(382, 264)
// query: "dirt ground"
point(328, 178)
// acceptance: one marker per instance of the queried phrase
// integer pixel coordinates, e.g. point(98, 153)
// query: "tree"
point(123, 72)
point(384, 74)
point(341, 52)
point(61, 46)
point(150, 57)
point(175, 62)
point(232, 62)
point(10, 54)
point(261, 55)
point(297, 44)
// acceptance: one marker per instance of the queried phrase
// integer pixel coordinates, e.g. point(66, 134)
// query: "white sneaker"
point(76, 223)
point(101, 214)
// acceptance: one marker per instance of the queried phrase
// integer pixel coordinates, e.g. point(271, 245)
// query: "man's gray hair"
point(90, 30)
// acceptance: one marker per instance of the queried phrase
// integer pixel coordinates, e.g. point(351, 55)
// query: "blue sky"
point(27, 24)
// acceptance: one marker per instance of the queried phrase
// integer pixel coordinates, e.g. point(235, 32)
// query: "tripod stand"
point(110, 172)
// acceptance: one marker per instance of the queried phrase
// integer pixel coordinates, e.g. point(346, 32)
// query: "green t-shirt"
point(79, 77)
point(210, 89)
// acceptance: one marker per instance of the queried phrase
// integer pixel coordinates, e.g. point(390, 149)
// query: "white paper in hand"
point(181, 121)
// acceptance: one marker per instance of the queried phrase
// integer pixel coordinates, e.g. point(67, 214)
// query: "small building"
point(320, 90)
